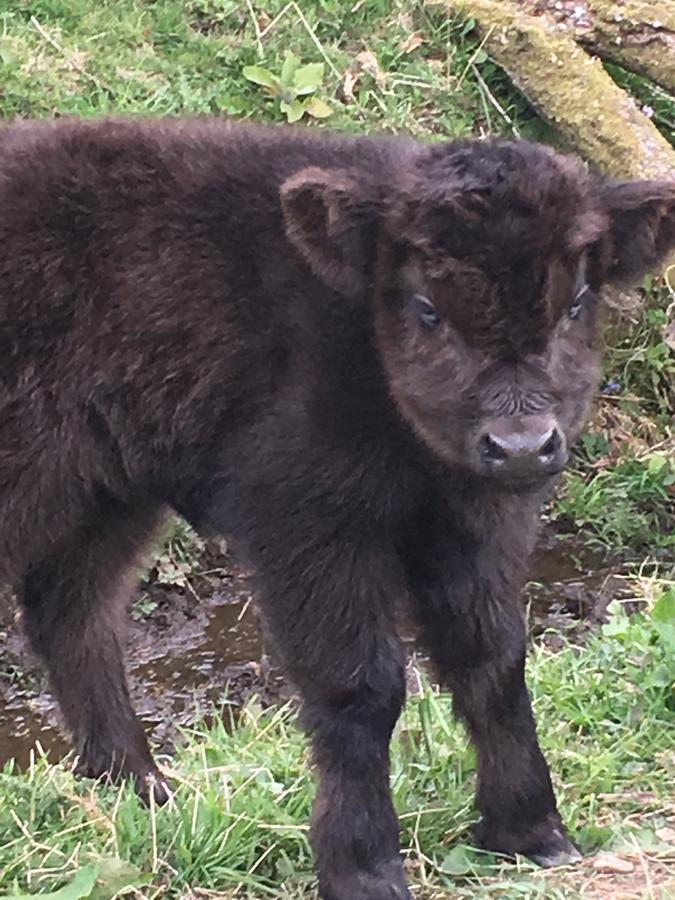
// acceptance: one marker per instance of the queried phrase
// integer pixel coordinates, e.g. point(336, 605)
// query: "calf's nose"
point(529, 446)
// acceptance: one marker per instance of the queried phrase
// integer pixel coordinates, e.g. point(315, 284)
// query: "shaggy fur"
point(332, 349)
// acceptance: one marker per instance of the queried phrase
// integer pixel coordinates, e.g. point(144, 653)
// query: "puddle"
point(570, 588)
point(188, 653)
point(194, 650)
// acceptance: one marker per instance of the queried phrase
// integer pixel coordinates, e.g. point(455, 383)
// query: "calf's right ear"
point(328, 221)
point(642, 227)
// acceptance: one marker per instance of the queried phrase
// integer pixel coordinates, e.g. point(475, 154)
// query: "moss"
point(639, 35)
point(571, 90)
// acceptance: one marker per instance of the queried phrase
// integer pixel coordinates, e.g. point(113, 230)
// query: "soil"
point(195, 647)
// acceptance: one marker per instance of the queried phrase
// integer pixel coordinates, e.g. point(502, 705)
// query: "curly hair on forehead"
point(497, 202)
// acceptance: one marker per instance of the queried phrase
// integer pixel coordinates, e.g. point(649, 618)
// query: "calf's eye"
point(426, 312)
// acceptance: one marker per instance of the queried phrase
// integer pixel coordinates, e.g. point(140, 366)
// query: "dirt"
point(195, 646)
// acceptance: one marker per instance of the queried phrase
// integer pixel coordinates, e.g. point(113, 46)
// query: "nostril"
point(550, 446)
point(491, 451)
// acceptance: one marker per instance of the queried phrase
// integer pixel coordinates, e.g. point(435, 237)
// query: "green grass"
point(627, 507)
point(605, 712)
point(243, 794)
point(168, 57)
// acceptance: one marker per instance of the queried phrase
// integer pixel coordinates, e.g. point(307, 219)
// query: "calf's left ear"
point(329, 220)
point(642, 227)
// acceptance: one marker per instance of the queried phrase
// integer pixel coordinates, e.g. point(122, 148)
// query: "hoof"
point(147, 779)
point(385, 882)
point(559, 851)
point(152, 787)
point(546, 844)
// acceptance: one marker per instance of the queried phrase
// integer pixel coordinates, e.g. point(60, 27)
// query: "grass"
point(605, 712)
point(627, 507)
point(243, 794)
point(167, 57)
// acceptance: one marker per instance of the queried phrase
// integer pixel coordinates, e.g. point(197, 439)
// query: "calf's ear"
point(329, 221)
point(642, 227)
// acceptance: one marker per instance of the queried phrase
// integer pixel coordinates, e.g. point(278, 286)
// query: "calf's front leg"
point(466, 587)
point(327, 610)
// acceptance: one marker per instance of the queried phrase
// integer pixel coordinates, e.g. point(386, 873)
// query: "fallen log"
point(570, 89)
point(638, 36)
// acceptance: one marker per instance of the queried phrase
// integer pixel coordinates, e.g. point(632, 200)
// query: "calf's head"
point(484, 261)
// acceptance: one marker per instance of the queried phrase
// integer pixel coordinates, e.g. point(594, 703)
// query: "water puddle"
point(570, 588)
point(193, 649)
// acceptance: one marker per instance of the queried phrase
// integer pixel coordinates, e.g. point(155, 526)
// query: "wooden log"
point(638, 36)
point(570, 89)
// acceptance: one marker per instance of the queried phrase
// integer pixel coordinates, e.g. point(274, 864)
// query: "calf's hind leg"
point(72, 603)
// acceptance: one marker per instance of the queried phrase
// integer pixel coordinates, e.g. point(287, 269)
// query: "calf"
point(364, 359)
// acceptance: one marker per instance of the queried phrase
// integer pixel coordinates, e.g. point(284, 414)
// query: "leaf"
point(318, 109)
point(116, 875)
point(655, 463)
point(258, 75)
point(611, 863)
point(369, 64)
point(285, 867)
point(664, 608)
point(660, 677)
point(412, 42)
point(619, 623)
point(469, 25)
point(7, 57)
point(480, 57)
point(80, 887)
point(457, 861)
point(663, 617)
point(308, 78)
point(293, 111)
point(289, 68)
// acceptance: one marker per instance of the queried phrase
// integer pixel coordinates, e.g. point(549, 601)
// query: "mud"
point(195, 647)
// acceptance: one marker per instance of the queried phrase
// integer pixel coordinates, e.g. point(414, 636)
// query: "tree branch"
point(570, 89)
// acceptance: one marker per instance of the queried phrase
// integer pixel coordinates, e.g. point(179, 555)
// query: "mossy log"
point(638, 35)
point(570, 89)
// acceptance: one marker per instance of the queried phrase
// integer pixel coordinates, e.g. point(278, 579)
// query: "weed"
point(293, 88)
point(179, 559)
point(143, 606)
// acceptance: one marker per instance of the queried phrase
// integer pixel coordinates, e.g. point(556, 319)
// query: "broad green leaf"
point(289, 68)
point(293, 111)
point(79, 888)
point(660, 677)
point(619, 623)
point(457, 861)
point(664, 608)
point(7, 57)
point(655, 463)
point(469, 25)
point(258, 75)
point(308, 78)
point(116, 875)
point(319, 109)
point(304, 91)
point(663, 617)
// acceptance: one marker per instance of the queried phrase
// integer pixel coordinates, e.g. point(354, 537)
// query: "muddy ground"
point(195, 645)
